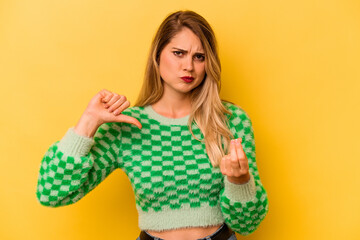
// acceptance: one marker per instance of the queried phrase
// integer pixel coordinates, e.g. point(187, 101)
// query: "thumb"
point(128, 119)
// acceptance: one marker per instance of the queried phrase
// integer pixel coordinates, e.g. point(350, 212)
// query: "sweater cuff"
point(73, 144)
point(240, 192)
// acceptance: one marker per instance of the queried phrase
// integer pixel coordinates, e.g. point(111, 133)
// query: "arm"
point(74, 166)
point(245, 205)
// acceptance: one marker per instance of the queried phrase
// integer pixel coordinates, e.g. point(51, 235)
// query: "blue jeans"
point(232, 237)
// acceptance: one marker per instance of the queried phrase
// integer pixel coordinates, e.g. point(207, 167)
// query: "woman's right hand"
point(104, 107)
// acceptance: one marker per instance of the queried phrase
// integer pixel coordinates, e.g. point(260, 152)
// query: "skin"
point(174, 64)
point(176, 103)
point(235, 165)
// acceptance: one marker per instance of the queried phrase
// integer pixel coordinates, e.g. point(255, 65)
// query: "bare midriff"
point(191, 233)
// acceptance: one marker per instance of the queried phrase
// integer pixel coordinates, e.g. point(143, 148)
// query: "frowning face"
point(182, 57)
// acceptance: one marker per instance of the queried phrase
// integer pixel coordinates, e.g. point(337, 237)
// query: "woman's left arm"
point(243, 199)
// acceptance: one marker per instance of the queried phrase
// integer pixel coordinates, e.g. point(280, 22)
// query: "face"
point(183, 56)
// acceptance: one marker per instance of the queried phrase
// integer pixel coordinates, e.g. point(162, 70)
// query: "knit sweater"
point(169, 170)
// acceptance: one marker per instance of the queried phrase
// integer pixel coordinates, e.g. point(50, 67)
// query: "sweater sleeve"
point(244, 206)
point(76, 164)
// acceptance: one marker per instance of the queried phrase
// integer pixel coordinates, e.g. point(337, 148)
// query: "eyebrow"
point(187, 51)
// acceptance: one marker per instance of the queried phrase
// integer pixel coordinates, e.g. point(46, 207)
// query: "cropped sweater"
point(174, 183)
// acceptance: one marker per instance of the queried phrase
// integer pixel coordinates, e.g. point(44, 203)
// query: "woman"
point(190, 156)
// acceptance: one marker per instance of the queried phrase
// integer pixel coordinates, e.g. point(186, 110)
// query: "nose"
point(188, 64)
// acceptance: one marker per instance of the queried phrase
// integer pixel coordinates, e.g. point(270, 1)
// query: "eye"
point(177, 53)
point(200, 57)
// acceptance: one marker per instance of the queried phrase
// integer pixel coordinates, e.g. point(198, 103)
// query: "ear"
point(158, 59)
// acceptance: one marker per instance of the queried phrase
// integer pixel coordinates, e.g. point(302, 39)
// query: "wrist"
point(86, 126)
point(239, 180)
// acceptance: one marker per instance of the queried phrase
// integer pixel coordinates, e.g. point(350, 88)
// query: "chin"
point(184, 90)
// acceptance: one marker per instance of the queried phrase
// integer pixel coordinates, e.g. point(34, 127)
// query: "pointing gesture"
point(235, 165)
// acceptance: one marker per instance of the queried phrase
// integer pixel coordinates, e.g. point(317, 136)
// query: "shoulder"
point(238, 119)
point(235, 110)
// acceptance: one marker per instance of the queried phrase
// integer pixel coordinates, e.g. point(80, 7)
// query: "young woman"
point(190, 156)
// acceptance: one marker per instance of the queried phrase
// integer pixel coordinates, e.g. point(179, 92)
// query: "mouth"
point(187, 79)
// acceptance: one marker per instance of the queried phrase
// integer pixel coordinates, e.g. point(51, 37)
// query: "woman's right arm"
point(74, 166)
point(86, 155)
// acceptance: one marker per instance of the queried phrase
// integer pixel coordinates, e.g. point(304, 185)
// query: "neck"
point(174, 106)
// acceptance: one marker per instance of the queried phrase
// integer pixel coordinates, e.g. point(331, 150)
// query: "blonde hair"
point(208, 112)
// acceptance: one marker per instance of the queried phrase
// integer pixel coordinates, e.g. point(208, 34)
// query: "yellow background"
point(292, 65)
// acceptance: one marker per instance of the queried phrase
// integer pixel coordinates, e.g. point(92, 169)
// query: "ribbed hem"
point(73, 144)
point(165, 120)
point(179, 218)
point(240, 192)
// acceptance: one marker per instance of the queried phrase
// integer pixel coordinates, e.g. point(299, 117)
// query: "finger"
point(244, 165)
point(105, 95)
point(222, 165)
point(122, 107)
point(234, 157)
point(239, 149)
point(228, 167)
point(117, 104)
point(128, 119)
point(106, 98)
point(113, 99)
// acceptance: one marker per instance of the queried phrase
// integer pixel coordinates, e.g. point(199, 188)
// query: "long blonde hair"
point(207, 111)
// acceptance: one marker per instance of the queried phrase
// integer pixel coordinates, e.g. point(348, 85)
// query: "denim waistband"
point(209, 237)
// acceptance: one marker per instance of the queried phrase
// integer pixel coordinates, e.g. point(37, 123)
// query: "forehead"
point(187, 40)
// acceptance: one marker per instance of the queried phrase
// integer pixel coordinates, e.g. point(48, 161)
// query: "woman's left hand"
point(235, 165)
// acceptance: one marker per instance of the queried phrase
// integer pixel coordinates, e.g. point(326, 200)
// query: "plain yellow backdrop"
point(292, 65)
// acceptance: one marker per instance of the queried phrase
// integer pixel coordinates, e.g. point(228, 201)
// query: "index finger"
point(239, 149)
point(105, 95)
point(233, 155)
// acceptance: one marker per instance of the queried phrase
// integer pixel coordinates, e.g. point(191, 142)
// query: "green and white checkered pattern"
point(173, 180)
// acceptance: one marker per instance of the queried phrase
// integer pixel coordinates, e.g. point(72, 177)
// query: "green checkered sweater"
point(170, 172)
